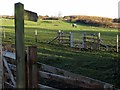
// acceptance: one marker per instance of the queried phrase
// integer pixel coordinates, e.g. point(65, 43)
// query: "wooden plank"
point(102, 43)
point(6, 75)
point(91, 38)
point(67, 36)
point(86, 80)
point(9, 55)
point(9, 71)
point(43, 87)
point(79, 78)
point(87, 34)
point(8, 85)
point(67, 80)
point(64, 39)
point(12, 67)
point(53, 40)
point(19, 42)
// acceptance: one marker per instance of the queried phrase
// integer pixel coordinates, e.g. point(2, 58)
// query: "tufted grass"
point(100, 65)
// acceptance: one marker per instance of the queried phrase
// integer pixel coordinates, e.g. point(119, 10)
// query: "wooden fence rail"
point(76, 79)
point(86, 41)
point(50, 73)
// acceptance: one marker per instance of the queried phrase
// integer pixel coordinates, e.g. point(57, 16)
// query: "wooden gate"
point(63, 38)
point(36, 71)
point(91, 41)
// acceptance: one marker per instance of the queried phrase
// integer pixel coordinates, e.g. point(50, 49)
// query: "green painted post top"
point(18, 3)
point(19, 6)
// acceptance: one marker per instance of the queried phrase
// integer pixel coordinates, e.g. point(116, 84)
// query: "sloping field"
point(95, 64)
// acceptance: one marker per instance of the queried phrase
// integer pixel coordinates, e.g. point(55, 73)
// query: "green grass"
point(49, 29)
point(95, 64)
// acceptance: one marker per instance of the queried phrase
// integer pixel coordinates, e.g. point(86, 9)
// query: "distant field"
point(49, 28)
point(96, 64)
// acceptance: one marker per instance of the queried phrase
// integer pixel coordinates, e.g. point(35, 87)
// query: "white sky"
point(105, 8)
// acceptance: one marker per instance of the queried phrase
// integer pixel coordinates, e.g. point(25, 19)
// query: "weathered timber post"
point(36, 35)
point(1, 63)
point(59, 36)
point(99, 41)
point(4, 35)
point(32, 67)
point(83, 41)
point(117, 41)
point(62, 37)
point(70, 40)
point(95, 45)
point(19, 42)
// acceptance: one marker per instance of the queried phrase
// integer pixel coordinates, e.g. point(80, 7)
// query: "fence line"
point(86, 41)
point(91, 41)
point(35, 69)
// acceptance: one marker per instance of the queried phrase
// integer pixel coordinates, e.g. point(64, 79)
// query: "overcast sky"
point(105, 8)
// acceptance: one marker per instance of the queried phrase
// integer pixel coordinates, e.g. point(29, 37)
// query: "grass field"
point(95, 64)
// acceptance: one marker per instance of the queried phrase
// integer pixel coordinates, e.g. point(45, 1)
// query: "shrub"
point(90, 20)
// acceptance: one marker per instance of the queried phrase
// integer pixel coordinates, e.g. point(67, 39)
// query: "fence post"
point(32, 67)
point(59, 35)
point(117, 41)
point(70, 39)
point(99, 41)
point(35, 35)
point(1, 63)
point(83, 40)
point(62, 37)
point(4, 35)
point(19, 42)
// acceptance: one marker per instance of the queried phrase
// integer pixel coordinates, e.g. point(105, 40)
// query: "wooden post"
point(4, 36)
point(117, 41)
point(35, 35)
point(62, 37)
point(95, 43)
point(19, 42)
point(70, 39)
point(99, 41)
point(59, 36)
point(35, 76)
point(1, 64)
point(32, 67)
point(83, 41)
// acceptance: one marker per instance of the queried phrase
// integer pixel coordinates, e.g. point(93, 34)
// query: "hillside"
point(100, 65)
point(82, 19)
point(93, 21)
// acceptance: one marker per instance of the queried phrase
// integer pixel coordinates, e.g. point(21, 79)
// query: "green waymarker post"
point(20, 14)
point(19, 41)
